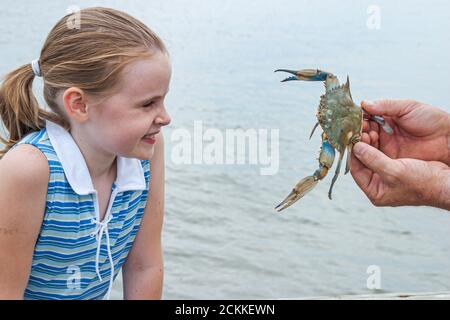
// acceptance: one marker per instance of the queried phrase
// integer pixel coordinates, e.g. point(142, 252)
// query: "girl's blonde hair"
point(89, 57)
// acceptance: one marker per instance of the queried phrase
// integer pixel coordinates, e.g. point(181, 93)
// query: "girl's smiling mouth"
point(150, 138)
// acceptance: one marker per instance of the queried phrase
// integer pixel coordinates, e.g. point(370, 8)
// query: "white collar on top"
point(130, 175)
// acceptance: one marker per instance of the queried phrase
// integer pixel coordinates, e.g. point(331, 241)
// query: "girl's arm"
point(24, 175)
point(143, 270)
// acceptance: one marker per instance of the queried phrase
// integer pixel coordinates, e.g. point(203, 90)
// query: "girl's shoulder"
point(25, 167)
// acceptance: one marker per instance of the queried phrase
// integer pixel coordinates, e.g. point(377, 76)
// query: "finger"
point(374, 139)
point(374, 159)
point(360, 173)
point(388, 107)
point(365, 137)
point(374, 126)
point(365, 125)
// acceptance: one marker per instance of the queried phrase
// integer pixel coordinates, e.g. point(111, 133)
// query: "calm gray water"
point(222, 238)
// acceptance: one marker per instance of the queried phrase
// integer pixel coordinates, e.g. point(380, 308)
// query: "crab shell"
point(340, 118)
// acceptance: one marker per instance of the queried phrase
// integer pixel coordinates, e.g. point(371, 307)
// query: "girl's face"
point(127, 122)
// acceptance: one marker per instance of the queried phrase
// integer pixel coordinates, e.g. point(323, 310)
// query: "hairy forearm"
point(448, 139)
point(143, 284)
point(440, 191)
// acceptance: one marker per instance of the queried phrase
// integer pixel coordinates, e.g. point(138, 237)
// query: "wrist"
point(440, 190)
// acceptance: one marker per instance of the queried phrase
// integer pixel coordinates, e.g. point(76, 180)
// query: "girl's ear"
point(74, 100)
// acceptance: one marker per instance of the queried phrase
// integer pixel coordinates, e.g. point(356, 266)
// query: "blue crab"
point(341, 121)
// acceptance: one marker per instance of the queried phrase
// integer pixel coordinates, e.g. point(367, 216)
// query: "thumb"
point(374, 159)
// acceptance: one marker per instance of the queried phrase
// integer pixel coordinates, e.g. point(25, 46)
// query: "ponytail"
point(19, 109)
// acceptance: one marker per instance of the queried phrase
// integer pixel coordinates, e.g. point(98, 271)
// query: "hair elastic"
point(36, 68)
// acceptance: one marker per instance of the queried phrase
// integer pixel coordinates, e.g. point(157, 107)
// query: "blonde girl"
point(82, 182)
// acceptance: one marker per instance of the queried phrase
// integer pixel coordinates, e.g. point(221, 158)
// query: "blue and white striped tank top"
point(75, 253)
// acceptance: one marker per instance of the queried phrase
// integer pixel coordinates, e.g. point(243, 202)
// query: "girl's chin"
point(146, 154)
point(141, 154)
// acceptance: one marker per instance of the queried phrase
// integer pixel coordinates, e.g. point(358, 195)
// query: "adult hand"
point(409, 167)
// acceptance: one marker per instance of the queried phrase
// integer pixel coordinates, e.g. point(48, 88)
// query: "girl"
point(75, 204)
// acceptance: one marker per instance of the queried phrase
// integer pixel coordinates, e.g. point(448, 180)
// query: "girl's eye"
point(150, 104)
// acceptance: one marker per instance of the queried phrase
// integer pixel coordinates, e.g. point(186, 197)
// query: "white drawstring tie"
point(100, 228)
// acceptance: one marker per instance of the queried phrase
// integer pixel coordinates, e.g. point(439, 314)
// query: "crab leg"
point(380, 120)
point(306, 75)
point(350, 145)
point(336, 173)
point(305, 185)
point(349, 152)
point(314, 129)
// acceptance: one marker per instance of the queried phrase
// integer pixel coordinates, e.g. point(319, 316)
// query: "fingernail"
point(358, 149)
point(368, 103)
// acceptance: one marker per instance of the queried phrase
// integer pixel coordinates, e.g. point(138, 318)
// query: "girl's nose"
point(163, 118)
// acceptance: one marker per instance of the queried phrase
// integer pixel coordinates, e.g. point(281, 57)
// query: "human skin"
point(103, 129)
point(409, 167)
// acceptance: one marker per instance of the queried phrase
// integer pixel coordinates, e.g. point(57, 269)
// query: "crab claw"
point(306, 75)
point(380, 120)
point(386, 127)
point(303, 187)
point(308, 183)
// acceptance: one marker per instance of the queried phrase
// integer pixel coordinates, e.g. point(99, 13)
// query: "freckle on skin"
point(8, 232)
